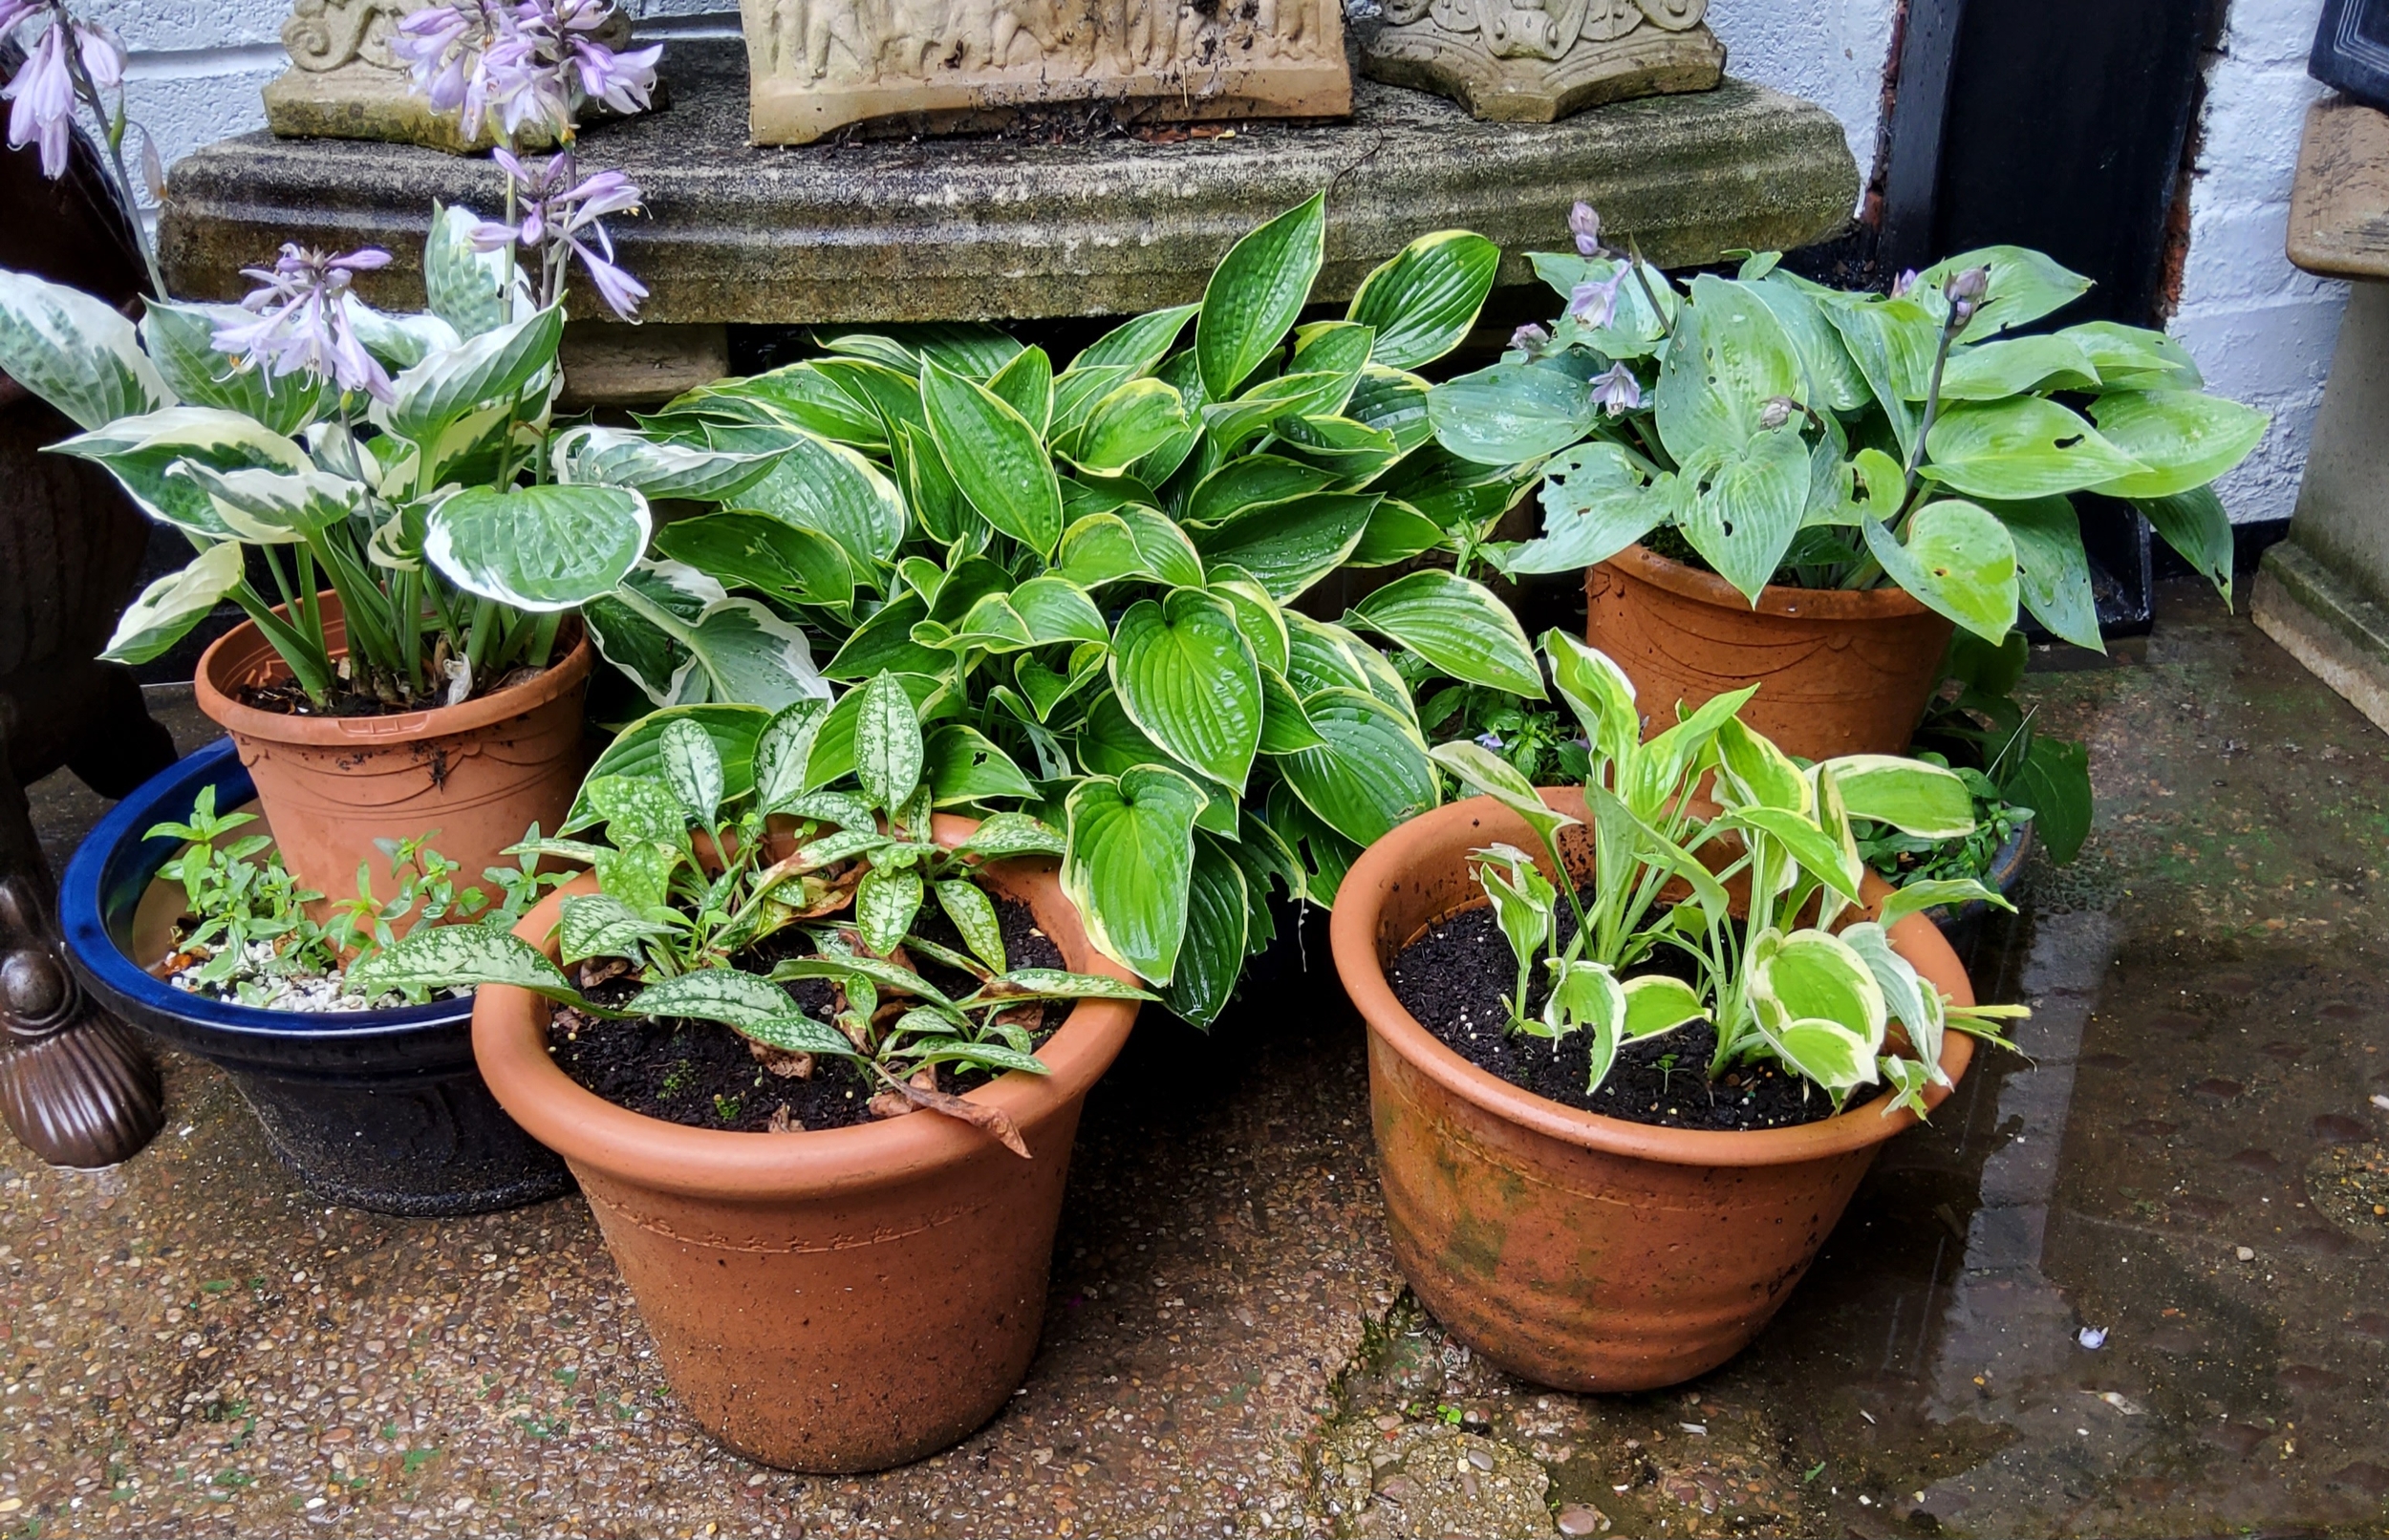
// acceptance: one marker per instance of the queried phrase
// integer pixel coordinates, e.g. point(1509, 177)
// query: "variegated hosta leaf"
point(138, 452)
point(75, 352)
point(1908, 1080)
point(1486, 772)
point(1522, 899)
point(182, 342)
point(1599, 693)
point(542, 548)
point(1811, 979)
point(466, 286)
point(1656, 1003)
point(1586, 997)
point(1916, 897)
point(493, 369)
point(169, 607)
point(274, 508)
point(634, 637)
point(1907, 996)
point(657, 468)
point(1923, 800)
point(399, 341)
point(1752, 772)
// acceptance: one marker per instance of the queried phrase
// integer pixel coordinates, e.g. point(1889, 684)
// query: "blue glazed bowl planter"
point(374, 1109)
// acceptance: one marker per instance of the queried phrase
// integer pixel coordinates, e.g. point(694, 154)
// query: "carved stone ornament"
point(1536, 61)
point(930, 66)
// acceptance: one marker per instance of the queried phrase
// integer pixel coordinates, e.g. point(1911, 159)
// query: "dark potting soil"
point(1454, 977)
point(700, 1075)
point(285, 697)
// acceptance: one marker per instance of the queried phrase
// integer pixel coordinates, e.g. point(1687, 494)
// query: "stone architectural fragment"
point(1536, 61)
point(943, 65)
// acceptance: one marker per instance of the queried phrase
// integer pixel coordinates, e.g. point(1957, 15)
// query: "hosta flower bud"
point(1530, 339)
point(1776, 413)
point(1585, 225)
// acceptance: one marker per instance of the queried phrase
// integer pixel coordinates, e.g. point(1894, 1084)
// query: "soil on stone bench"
point(700, 1075)
point(1455, 976)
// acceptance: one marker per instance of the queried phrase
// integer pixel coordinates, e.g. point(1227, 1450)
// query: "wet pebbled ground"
point(2189, 1161)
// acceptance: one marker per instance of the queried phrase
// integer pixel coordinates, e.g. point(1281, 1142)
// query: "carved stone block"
point(947, 65)
point(1536, 61)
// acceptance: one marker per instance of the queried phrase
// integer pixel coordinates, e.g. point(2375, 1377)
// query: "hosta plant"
point(1789, 433)
point(1085, 573)
point(707, 858)
point(1758, 896)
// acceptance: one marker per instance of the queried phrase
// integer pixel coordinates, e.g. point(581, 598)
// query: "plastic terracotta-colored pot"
point(474, 775)
point(1838, 672)
point(841, 1300)
point(376, 1109)
point(1581, 1251)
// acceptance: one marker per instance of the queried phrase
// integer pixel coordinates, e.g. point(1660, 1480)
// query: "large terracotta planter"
point(1581, 1251)
point(841, 1300)
point(478, 773)
point(1838, 672)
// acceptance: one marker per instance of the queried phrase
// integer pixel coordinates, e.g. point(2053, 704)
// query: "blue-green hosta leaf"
point(1131, 856)
point(2024, 447)
point(2024, 286)
point(182, 342)
point(463, 285)
point(463, 956)
point(996, 457)
point(2051, 569)
point(600, 925)
point(1596, 500)
point(1289, 545)
point(1374, 773)
point(75, 352)
point(1638, 323)
point(1511, 414)
point(1188, 679)
point(1893, 342)
point(167, 610)
point(1959, 559)
point(1923, 800)
point(1457, 625)
point(1994, 370)
point(655, 468)
point(2195, 524)
point(140, 452)
point(2185, 438)
point(1835, 381)
point(889, 751)
point(1424, 300)
point(1744, 506)
point(966, 766)
point(1256, 294)
point(538, 548)
point(490, 370)
point(1218, 913)
point(1729, 358)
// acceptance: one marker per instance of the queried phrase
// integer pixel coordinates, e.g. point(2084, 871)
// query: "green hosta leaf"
point(1139, 344)
point(1130, 857)
point(1127, 424)
point(1457, 625)
point(2051, 569)
point(1057, 609)
point(1285, 727)
point(1321, 855)
point(2194, 523)
point(489, 369)
point(1219, 913)
point(1392, 403)
point(75, 352)
point(1655, 1003)
point(1289, 545)
point(996, 457)
point(2026, 447)
point(167, 610)
point(1372, 774)
point(538, 548)
point(141, 450)
point(1994, 371)
point(1027, 384)
point(1355, 452)
point(2135, 357)
point(1917, 896)
point(1595, 503)
point(974, 916)
point(1256, 294)
point(1916, 798)
point(1959, 559)
point(888, 748)
point(655, 468)
point(1188, 681)
point(1511, 413)
point(1729, 358)
point(723, 995)
point(2024, 286)
point(692, 766)
point(1396, 533)
point(1257, 615)
point(1745, 506)
point(1487, 773)
point(637, 752)
point(965, 347)
point(965, 767)
point(1252, 482)
point(798, 394)
point(461, 956)
point(1230, 425)
point(2186, 439)
point(600, 925)
point(755, 550)
point(1424, 300)
point(885, 903)
point(833, 490)
point(464, 286)
point(883, 644)
point(783, 750)
point(181, 340)
point(1002, 836)
point(2054, 781)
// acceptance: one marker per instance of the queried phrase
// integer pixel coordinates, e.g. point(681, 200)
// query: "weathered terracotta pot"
point(477, 774)
point(1581, 1251)
point(841, 1299)
point(1838, 672)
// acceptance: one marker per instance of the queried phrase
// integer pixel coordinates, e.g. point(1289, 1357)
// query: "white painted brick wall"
point(1831, 52)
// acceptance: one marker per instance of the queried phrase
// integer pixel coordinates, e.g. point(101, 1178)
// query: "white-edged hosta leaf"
point(273, 508)
point(1919, 799)
point(1586, 997)
point(542, 548)
point(167, 610)
point(141, 450)
point(489, 369)
point(1811, 975)
point(1916, 897)
point(1908, 998)
point(654, 467)
point(1656, 1003)
point(463, 285)
point(75, 352)
point(1487, 773)
point(182, 343)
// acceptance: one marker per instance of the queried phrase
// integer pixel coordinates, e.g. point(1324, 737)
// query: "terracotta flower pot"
point(841, 1299)
point(1838, 672)
point(1581, 1251)
point(478, 773)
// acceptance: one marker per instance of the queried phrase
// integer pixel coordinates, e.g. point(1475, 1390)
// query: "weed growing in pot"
point(1788, 973)
point(690, 892)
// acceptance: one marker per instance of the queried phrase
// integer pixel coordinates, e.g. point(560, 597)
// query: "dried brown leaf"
point(994, 1121)
point(779, 1062)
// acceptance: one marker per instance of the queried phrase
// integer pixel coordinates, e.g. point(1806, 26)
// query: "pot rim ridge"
point(1640, 562)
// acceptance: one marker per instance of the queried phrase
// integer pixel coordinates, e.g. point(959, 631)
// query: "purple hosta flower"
point(530, 63)
point(1585, 225)
point(622, 81)
point(1595, 303)
point(1618, 391)
point(1530, 339)
point(43, 91)
point(1490, 739)
point(1903, 285)
point(441, 46)
point(304, 322)
point(548, 213)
